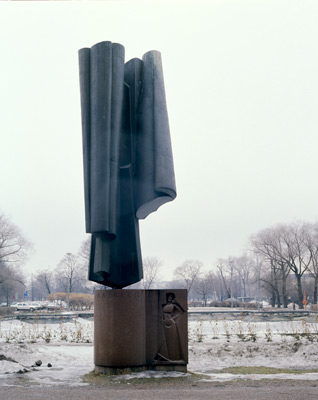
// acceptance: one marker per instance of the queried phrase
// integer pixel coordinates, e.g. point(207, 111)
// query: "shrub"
point(7, 310)
point(78, 301)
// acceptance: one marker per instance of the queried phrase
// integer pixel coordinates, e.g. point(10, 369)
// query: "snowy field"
point(66, 350)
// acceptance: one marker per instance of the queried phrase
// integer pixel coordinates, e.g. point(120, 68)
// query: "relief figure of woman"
point(171, 349)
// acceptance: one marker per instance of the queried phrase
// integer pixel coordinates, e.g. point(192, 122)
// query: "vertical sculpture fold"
point(128, 163)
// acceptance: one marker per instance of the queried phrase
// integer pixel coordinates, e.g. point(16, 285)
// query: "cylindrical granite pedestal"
point(140, 329)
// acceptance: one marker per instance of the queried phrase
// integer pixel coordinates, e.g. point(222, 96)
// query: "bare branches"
point(84, 251)
point(188, 272)
point(14, 246)
point(11, 280)
point(69, 271)
point(70, 275)
point(45, 279)
point(205, 286)
point(222, 268)
point(14, 249)
point(288, 248)
point(151, 266)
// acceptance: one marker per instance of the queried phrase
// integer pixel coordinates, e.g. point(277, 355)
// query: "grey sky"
point(242, 92)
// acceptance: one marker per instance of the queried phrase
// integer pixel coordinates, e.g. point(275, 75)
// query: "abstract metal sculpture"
point(128, 164)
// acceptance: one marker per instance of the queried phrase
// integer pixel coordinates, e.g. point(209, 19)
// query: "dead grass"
point(94, 378)
point(264, 371)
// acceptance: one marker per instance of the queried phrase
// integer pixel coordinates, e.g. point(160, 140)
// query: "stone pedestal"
point(140, 329)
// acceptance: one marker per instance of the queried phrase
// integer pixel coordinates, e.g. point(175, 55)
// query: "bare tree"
point(84, 255)
point(85, 249)
point(14, 247)
point(11, 280)
point(296, 255)
point(69, 273)
point(243, 265)
point(312, 245)
point(219, 290)
point(229, 275)
point(258, 265)
point(45, 279)
point(205, 286)
point(151, 266)
point(223, 271)
point(10, 273)
point(286, 248)
point(269, 245)
point(189, 271)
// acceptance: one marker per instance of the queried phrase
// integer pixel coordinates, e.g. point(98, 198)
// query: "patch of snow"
point(69, 361)
point(150, 374)
point(9, 367)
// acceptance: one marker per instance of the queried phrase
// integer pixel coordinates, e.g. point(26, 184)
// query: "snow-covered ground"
point(66, 349)
point(222, 343)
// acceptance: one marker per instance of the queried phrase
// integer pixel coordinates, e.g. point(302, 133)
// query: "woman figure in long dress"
point(171, 349)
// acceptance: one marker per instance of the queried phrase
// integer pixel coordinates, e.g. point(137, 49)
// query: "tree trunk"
point(277, 292)
point(316, 289)
point(284, 291)
point(273, 298)
point(300, 292)
point(225, 287)
point(278, 298)
point(244, 288)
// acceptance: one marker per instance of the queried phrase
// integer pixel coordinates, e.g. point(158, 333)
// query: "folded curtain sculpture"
point(128, 163)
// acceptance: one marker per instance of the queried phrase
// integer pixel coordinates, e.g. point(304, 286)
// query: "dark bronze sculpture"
point(128, 164)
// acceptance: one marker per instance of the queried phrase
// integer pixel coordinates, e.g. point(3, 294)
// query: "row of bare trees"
point(288, 249)
point(281, 264)
point(69, 276)
point(231, 278)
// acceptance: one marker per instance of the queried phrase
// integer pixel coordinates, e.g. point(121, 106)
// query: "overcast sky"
point(242, 91)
